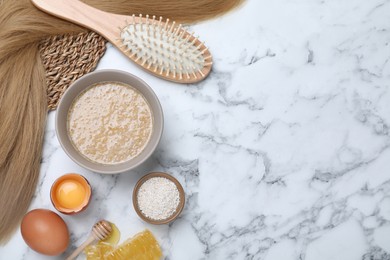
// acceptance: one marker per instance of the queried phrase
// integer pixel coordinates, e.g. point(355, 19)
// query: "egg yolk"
point(70, 194)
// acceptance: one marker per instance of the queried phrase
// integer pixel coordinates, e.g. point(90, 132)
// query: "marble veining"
point(283, 151)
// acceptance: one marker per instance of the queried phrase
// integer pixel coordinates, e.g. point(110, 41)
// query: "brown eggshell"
point(45, 232)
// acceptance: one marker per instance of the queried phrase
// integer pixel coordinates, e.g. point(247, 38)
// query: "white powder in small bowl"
point(158, 198)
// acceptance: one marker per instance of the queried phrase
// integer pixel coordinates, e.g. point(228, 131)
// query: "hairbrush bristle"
point(165, 49)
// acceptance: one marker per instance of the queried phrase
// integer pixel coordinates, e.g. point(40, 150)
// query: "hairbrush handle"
point(82, 14)
point(90, 239)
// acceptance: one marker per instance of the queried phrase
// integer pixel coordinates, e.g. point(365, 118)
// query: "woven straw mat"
point(67, 58)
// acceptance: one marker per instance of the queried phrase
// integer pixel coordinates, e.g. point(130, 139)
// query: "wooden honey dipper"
point(101, 230)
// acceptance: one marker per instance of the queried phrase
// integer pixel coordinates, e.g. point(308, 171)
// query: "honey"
point(143, 246)
point(98, 251)
point(114, 236)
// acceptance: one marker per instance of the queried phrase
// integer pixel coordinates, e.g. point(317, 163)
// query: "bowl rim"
point(96, 169)
point(179, 208)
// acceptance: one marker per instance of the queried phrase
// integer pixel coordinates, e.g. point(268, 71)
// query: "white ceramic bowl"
point(100, 76)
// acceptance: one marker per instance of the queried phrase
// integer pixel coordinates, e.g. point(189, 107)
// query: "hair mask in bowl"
point(147, 130)
point(110, 123)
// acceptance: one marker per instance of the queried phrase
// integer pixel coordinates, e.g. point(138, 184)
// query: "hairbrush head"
point(165, 49)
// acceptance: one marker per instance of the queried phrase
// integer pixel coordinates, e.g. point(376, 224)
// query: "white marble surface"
point(284, 151)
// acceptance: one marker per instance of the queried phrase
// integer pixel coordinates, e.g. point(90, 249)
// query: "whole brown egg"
point(45, 232)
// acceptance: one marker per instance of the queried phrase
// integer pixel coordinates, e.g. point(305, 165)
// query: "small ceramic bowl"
point(70, 193)
point(179, 208)
point(103, 76)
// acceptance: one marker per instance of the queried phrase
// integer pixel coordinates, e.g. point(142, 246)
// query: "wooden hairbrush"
point(160, 47)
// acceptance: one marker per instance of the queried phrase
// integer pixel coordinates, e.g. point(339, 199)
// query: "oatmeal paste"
point(110, 123)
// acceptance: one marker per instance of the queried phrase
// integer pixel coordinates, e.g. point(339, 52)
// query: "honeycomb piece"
point(143, 246)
